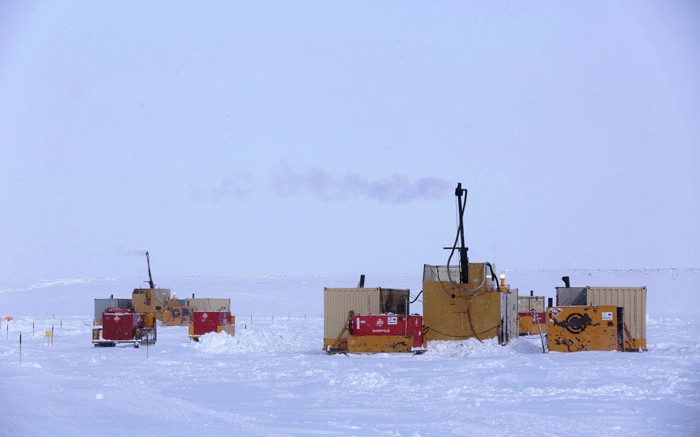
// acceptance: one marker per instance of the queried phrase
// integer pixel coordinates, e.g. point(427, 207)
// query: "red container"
point(209, 321)
point(389, 324)
point(119, 324)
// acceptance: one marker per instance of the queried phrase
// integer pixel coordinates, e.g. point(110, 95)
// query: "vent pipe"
point(567, 284)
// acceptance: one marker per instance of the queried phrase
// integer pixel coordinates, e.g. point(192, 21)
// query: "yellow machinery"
point(455, 311)
point(167, 308)
point(630, 300)
point(584, 328)
point(159, 302)
point(467, 301)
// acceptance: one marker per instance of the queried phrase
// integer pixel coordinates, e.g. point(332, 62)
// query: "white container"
point(338, 302)
point(634, 302)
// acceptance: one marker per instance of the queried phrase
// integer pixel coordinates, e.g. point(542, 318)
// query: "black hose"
point(461, 207)
point(417, 296)
point(493, 275)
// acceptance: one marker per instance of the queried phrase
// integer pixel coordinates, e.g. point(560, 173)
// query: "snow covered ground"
point(272, 378)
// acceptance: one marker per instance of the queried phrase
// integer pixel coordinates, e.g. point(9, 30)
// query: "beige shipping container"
point(633, 300)
point(338, 302)
point(102, 304)
point(527, 304)
point(209, 304)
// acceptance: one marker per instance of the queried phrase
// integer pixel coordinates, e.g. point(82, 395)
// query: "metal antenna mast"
point(150, 278)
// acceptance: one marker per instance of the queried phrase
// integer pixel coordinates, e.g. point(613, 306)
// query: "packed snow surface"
point(272, 378)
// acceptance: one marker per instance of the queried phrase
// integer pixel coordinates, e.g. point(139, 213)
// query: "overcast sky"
point(237, 138)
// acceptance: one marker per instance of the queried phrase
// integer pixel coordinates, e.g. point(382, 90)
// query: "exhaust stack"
point(567, 284)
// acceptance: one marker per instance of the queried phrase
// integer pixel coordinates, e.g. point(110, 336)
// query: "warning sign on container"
point(607, 315)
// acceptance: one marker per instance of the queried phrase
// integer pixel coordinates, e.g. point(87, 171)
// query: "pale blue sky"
point(312, 137)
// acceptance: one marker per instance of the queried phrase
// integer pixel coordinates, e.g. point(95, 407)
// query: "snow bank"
point(259, 338)
point(488, 348)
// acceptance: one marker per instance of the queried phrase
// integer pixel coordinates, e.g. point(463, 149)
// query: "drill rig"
point(467, 300)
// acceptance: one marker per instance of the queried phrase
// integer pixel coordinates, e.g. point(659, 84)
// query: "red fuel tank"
point(209, 321)
point(389, 324)
point(119, 324)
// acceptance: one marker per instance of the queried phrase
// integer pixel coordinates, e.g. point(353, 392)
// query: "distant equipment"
point(152, 304)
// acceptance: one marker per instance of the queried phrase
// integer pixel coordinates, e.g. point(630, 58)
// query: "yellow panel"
point(149, 320)
point(379, 343)
point(528, 326)
point(452, 314)
point(150, 300)
point(581, 328)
